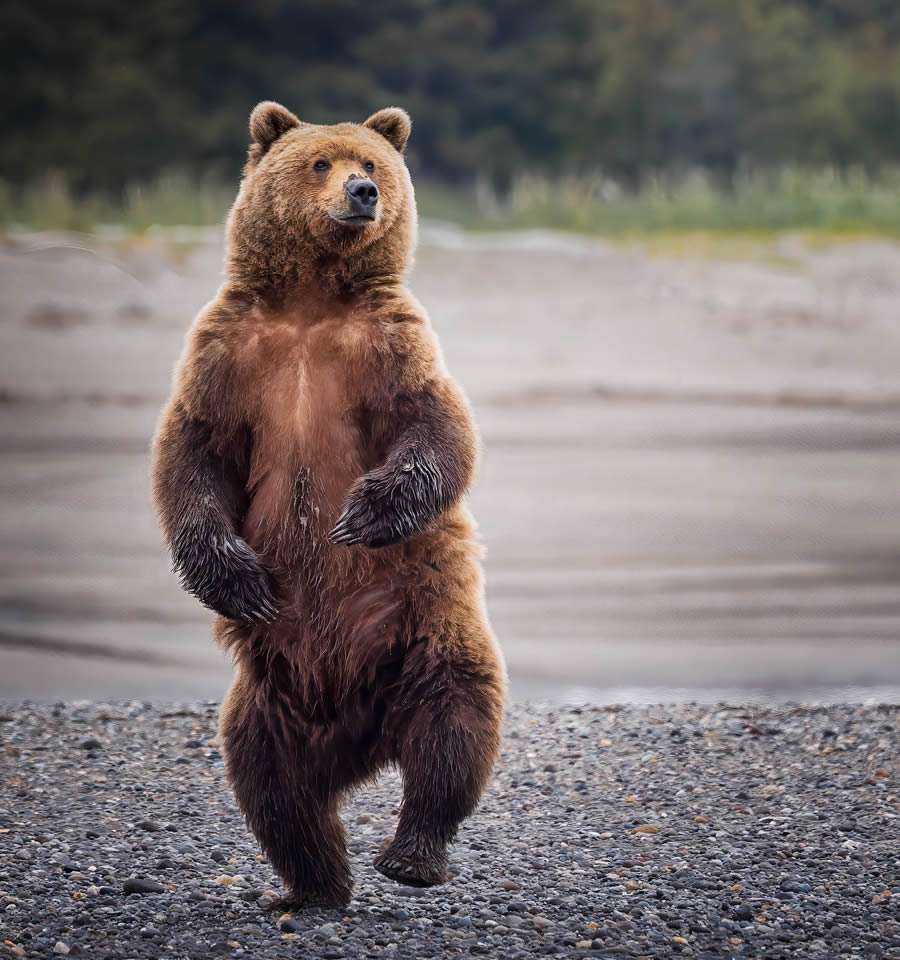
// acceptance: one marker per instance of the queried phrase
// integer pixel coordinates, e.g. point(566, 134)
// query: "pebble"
point(228, 880)
point(137, 885)
point(151, 826)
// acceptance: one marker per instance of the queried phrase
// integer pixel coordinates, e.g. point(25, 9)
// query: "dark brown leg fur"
point(445, 729)
point(288, 785)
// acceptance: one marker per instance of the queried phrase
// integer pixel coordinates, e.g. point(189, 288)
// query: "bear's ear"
point(393, 124)
point(268, 122)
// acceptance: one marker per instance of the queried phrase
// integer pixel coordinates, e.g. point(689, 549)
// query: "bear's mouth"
point(356, 219)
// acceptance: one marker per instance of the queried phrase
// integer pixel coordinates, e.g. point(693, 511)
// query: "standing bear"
point(309, 474)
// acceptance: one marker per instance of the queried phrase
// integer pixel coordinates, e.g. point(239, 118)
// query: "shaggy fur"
point(308, 473)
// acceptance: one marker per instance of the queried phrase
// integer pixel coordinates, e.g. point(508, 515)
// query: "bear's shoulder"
point(208, 372)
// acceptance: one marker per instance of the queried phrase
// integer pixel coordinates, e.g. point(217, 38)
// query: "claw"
point(263, 610)
point(342, 526)
point(344, 531)
point(345, 536)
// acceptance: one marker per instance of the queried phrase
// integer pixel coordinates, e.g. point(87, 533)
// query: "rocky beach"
point(642, 832)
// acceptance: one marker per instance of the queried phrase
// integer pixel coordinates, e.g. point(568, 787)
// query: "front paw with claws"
point(373, 516)
point(391, 503)
point(224, 573)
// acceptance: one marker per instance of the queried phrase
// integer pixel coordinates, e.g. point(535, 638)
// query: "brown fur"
point(308, 473)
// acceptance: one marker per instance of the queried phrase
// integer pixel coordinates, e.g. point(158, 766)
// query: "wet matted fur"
point(309, 472)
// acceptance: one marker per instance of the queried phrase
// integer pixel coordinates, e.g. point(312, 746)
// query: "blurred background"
point(660, 245)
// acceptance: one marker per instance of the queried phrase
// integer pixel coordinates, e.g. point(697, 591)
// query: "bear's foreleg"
point(428, 469)
point(286, 792)
point(199, 489)
point(446, 730)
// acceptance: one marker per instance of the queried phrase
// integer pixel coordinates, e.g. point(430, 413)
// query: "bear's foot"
point(410, 865)
point(297, 900)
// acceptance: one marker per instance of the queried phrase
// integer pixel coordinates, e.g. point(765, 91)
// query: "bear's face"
point(338, 188)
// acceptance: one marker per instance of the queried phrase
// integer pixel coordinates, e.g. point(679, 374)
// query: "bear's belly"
point(328, 587)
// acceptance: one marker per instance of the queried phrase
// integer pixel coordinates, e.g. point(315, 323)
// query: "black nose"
point(362, 192)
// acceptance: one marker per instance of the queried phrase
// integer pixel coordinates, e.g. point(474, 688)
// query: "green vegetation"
point(168, 201)
point(824, 201)
point(790, 199)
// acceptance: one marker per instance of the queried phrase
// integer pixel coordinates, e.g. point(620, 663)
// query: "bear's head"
point(323, 197)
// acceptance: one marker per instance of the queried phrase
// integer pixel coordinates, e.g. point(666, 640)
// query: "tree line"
point(110, 93)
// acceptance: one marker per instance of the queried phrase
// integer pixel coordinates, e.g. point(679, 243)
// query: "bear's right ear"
point(268, 122)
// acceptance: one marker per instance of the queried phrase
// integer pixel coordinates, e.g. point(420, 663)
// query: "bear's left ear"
point(393, 124)
point(268, 122)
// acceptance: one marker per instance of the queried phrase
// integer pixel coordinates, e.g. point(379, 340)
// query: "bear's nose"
point(362, 192)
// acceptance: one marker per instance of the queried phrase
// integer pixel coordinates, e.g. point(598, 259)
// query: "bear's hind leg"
point(277, 782)
point(446, 734)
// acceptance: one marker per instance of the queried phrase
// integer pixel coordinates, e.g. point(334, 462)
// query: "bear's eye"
point(369, 167)
point(320, 166)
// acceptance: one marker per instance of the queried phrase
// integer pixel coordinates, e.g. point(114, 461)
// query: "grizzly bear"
point(309, 474)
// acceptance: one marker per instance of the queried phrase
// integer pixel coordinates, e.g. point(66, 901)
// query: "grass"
point(823, 203)
point(762, 203)
point(173, 200)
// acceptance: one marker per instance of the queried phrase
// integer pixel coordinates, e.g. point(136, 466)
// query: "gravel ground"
point(638, 832)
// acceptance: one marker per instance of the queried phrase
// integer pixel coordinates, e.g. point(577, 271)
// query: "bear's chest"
point(297, 358)
point(316, 382)
point(313, 431)
point(342, 365)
